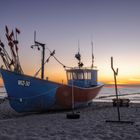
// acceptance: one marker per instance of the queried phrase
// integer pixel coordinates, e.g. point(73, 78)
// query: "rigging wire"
point(47, 60)
point(64, 66)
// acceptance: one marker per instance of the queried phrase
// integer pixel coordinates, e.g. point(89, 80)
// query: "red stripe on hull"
point(64, 95)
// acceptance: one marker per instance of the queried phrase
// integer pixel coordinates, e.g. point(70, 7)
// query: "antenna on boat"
point(78, 46)
point(34, 36)
point(38, 45)
point(92, 65)
point(35, 45)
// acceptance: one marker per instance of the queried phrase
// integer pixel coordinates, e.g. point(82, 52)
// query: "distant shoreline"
point(122, 84)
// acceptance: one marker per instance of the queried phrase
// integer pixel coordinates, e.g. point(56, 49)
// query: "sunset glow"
point(113, 26)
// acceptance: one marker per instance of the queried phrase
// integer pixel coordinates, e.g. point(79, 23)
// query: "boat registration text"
point(24, 83)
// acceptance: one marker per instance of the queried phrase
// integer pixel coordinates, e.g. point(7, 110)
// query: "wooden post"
point(116, 89)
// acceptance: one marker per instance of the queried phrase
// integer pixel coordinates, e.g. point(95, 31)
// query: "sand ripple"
point(54, 125)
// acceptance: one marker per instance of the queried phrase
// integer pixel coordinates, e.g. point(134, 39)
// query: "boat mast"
point(92, 65)
point(38, 45)
point(43, 56)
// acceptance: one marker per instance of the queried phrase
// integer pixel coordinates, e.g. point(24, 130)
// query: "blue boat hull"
point(27, 93)
point(30, 94)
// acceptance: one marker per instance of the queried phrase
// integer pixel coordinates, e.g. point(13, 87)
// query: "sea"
point(107, 93)
point(3, 92)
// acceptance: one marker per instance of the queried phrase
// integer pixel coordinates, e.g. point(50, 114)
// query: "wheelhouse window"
point(74, 75)
point(79, 75)
point(89, 75)
point(69, 75)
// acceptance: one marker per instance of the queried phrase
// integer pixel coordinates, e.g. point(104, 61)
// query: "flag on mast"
point(17, 31)
point(7, 30)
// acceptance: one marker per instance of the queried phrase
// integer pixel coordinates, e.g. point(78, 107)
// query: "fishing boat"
point(31, 94)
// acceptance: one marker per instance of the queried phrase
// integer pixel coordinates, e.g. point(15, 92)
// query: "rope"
point(41, 67)
point(64, 66)
point(47, 60)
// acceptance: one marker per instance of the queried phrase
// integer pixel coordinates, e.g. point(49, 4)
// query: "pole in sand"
point(117, 99)
point(73, 115)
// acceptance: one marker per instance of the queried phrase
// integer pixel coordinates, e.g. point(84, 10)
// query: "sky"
point(112, 25)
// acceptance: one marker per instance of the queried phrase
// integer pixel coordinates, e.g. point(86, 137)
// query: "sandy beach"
point(54, 125)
